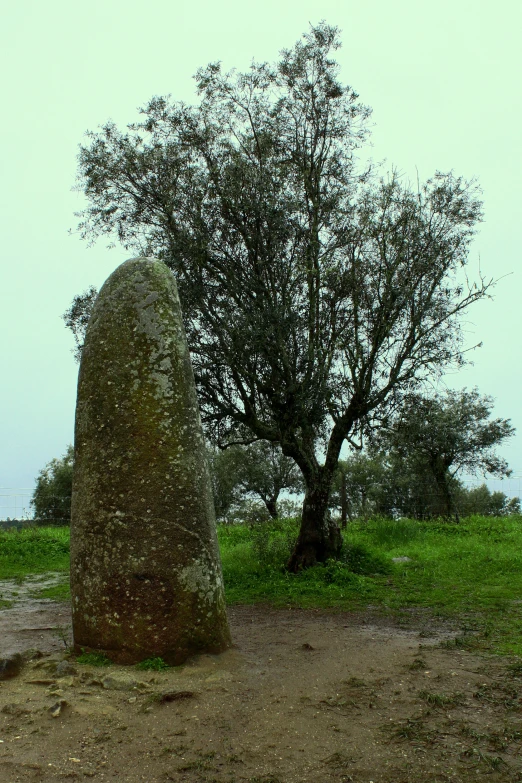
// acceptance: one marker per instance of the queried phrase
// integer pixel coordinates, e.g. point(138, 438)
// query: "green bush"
point(361, 560)
point(390, 533)
point(51, 499)
point(33, 551)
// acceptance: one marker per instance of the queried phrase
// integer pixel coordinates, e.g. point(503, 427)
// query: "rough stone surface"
point(146, 575)
point(11, 666)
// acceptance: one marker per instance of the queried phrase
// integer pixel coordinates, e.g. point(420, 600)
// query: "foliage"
point(258, 470)
point(480, 500)
point(313, 292)
point(77, 316)
point(93, 659)
point(432, 439)
point(51, 499)
point(152, 665)
point(362, 560)
point(469, 573)
point(361, 477)
point(223, 475)
point(33, 551)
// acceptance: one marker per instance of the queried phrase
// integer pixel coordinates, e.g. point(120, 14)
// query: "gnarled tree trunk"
point(271, 507)
point(319, 537)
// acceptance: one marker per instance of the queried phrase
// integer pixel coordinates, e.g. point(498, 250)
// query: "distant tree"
point(259, 470)
point(433, 439)
point(358, 485)
point(480, 500)
point(51, 499)
point(312, 293)
point(223, 467)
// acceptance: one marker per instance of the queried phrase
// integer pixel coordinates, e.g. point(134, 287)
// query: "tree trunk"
point(271, 505)
point(319, 537)
point(446, 496)
point(344, 501)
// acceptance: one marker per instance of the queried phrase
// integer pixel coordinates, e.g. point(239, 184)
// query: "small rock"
point(175, 696)
point(67, 682)
point(401, 559)
point(122, 682)
point(65, 669)
point(56, 710)
point(40, 681)
point(11, 666)
point(132, 699)
point(307, 646)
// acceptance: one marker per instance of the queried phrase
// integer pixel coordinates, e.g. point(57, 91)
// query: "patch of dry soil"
point(303, 696)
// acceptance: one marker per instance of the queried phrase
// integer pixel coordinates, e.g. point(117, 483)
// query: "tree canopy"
point(313, 292)
point(258, 470)
point(51, 499)
point(434, 439)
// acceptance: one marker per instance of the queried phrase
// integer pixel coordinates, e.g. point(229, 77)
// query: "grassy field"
point(470, 573)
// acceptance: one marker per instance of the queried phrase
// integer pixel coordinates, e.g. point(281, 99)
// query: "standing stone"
point(146, 576)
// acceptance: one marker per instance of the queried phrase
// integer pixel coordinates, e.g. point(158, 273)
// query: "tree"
point(223, 475)
point(480, 500)
point(358, 485)
point(77, 316)
point(259, 469)
point(312, 292)
point(435, 438)
point(51, 499)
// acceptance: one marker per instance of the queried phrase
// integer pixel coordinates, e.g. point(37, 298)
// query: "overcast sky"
point(443, 79)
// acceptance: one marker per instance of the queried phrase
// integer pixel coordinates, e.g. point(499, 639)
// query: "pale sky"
point(443, 79)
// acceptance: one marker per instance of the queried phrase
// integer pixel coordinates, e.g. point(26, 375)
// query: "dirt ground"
point(303, 696)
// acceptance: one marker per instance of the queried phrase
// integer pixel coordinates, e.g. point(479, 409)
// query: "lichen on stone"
point(143, 540)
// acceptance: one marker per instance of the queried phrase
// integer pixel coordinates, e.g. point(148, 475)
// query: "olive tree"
point(312, 291)
point(434, 440)
point(51, 498)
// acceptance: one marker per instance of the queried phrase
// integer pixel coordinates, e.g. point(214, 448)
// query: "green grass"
point(469, 573)
point(59, 592)
point(33, 551)
point(152, 665)
point(93, 659)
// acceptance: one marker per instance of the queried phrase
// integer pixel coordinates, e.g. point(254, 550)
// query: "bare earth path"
point(303, 696)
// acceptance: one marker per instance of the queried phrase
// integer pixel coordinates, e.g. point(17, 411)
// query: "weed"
point(33, 551)
point(199, 764)
point(62, 634)
point(59, 592)
point(272, 548)
point(93, 659)
point(389, 534)
point(152, 665)
point(461, 642)
point(233, 758)
point(442, 700)
point(267, 779)
point(354, 682)
point(339, 760)
point(361, 560)
point(417, 664)
point(413, 730)
point(499, 694)
point(495, 762)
